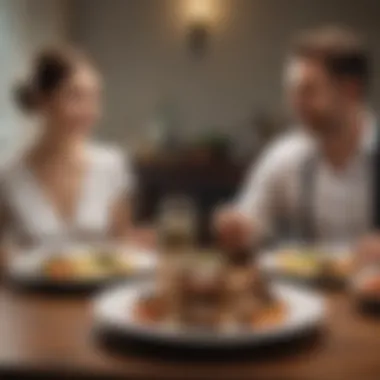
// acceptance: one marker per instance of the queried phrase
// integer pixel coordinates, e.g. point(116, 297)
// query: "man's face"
point(316, 99)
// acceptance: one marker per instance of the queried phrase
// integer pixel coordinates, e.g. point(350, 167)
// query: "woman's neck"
point(57, 149)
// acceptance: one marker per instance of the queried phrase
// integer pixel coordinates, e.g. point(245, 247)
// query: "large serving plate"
point(114, 312)
point(25, 268)
point(300, 263)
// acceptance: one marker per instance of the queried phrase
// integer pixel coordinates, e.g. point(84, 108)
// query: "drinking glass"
point(177, 225)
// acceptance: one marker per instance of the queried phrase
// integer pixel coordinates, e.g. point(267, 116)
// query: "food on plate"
point(113, 262)
point(86, 264)
point(302, 263)
point(270, 316)
point(314, 263)
point(59, 268)
point(340, 267)
point(151, 309)
point(210, 292)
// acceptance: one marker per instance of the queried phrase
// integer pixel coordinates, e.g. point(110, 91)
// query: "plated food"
point(76, 266)
point(87, 263)
point(309, 263)
point(208, 293)
point(117, 311)
point(212, 299)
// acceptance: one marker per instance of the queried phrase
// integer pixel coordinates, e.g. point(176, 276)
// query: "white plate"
point(270, 263)
point(26, 266)
point(113, 311)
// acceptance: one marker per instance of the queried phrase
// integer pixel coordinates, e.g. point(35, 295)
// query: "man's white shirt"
point(341, 198)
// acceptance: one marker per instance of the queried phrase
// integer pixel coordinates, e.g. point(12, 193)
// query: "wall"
point(25, 25)
point(140, 47)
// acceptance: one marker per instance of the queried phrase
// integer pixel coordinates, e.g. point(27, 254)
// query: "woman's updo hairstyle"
point(49, 70)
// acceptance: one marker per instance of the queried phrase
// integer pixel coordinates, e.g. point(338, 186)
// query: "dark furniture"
point(208, 183)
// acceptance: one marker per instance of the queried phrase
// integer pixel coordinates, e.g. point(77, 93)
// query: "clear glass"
point(177, 225)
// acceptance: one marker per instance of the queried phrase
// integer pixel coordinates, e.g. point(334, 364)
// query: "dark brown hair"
point(49, 70)
point(341, 51)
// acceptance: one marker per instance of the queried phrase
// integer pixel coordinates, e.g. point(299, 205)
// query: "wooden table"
point(51, 337)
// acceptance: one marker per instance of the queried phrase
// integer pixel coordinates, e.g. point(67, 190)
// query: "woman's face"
point(75, 106)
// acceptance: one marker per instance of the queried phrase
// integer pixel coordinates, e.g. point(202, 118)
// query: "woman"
point(64, 187)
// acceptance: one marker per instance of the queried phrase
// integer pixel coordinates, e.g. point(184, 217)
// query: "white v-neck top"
point(33, 220)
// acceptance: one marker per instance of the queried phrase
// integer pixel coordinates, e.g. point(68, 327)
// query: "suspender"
point(306, 229)
point(302, 227)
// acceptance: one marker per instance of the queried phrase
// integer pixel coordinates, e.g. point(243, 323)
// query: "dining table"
point(53, 336)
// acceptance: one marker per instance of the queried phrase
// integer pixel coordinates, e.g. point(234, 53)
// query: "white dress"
point(34, 220)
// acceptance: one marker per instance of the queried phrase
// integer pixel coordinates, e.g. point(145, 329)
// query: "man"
point(318, 182)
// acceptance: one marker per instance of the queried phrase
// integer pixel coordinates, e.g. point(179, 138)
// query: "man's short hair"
point(340, 50)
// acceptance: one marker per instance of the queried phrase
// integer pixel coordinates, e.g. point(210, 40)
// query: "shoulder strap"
point(306, 226)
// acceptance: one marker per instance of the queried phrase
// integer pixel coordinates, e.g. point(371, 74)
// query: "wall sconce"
point(198, 37)
point(199, 15)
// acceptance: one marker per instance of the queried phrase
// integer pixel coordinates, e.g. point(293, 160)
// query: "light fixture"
point(199, 20)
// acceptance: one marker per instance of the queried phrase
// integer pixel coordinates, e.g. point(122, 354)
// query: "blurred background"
point(191, 86)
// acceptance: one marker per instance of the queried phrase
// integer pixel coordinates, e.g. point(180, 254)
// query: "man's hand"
point(233, 229)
